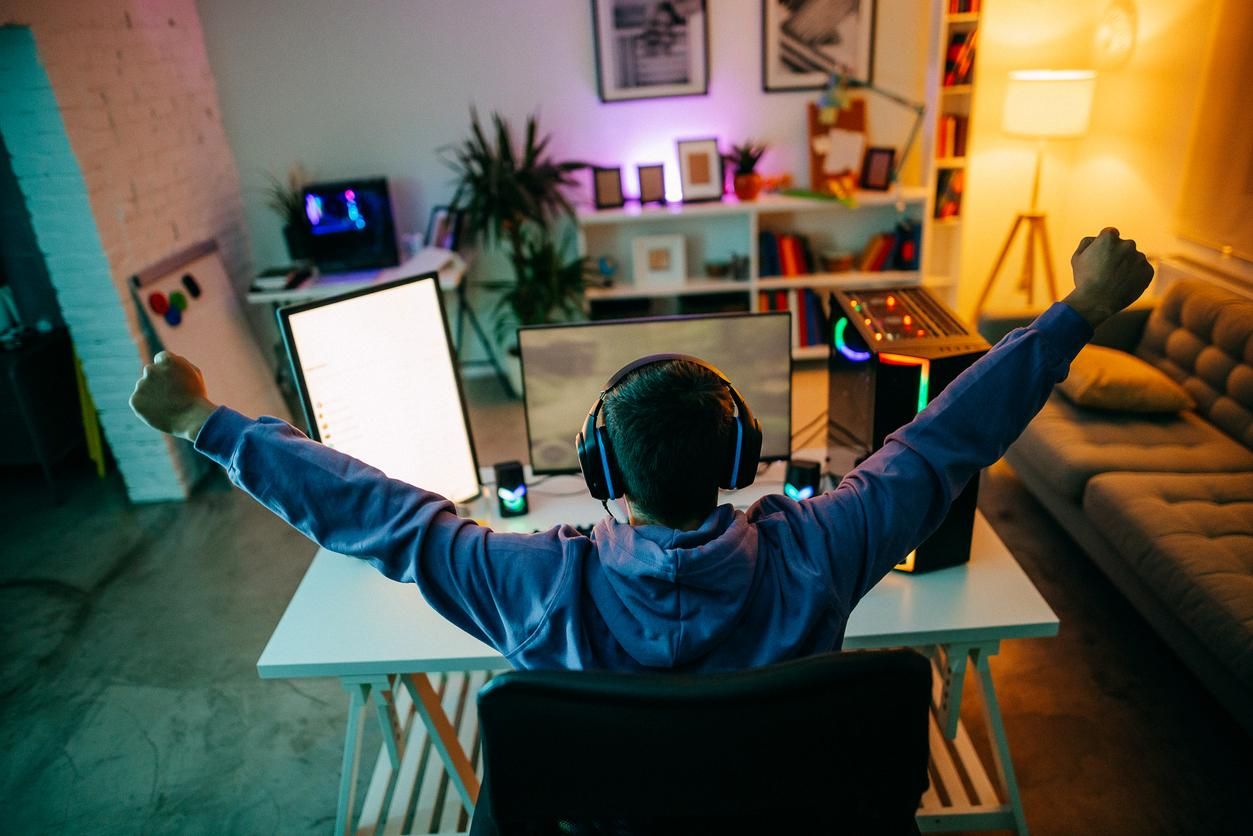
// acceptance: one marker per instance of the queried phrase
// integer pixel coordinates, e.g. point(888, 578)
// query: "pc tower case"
point(893, 350)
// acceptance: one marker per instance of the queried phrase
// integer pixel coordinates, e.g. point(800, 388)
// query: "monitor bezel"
point(526, 412)
point(284, 315)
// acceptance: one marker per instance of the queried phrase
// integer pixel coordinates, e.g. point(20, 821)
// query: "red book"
point(798, 312)
point(788, 252)
point(885, 252)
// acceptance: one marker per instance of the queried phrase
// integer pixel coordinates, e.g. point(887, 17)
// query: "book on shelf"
point(959, 7)
point(951, 136)
point(948, 192)
point(768, 253)
point(789, 255)
point(802, 321)
point(959, 60)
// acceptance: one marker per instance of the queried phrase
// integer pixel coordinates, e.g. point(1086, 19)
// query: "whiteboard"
point(191, 309)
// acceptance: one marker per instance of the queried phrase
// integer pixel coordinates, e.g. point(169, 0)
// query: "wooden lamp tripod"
point(1041, 104)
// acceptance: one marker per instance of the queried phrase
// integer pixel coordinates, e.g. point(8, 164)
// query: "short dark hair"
point(670, 424)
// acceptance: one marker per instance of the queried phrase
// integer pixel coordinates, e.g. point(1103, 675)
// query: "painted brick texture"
point(116, 141)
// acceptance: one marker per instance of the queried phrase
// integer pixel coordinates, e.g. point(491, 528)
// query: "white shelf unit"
point(941, 258)
point(715, 231)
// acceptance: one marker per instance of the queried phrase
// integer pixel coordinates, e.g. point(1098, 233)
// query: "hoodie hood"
point(669, 596)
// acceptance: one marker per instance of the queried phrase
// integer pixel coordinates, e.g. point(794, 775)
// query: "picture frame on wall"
point(700, 170)
point(607, 187)
point(652, 183)
point(658, 259)
point(444, 228)
point(876, 168)
point(650, 49)
point(805, 42)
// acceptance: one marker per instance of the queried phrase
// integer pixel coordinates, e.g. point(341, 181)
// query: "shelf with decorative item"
point(654, 290)
point(851, 279)
point(764, 205)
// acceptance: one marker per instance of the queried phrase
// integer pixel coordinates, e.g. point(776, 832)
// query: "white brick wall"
point(146, 171)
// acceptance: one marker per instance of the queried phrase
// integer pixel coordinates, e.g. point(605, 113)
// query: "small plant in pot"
point(285, 198)
point(515, 197)
point(745, 158)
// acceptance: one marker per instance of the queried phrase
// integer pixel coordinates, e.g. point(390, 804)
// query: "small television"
point(348, 225)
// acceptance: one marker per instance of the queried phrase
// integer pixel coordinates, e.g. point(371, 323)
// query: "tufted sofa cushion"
point(1072, 444)
point(1189, 537)
point(1202, 337)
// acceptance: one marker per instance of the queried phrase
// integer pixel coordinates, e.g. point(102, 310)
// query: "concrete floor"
point(130, 703)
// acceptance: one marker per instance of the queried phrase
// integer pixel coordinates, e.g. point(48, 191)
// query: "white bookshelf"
point(715, 231)
point(941, 257)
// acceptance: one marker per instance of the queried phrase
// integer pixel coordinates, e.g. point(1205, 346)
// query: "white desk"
point(383, 642)
point(450, 266)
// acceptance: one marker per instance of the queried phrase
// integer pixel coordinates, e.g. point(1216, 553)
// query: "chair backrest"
point(835, 743)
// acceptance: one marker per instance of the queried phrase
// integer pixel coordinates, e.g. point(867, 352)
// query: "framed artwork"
point(876, 169)
point(805, 42)
point(607, 187)
point(700, 169)
point(658, 259)
point(444, 228)
point(652, 183)
point(650, 49)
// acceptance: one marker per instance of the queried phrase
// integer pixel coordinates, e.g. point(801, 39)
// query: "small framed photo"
point(805, 42)
point(607, 187)
point(876, 169)
point(650, 49)
point(444, 228)
point(652, 183)
point(659, 259)
point(700, 170)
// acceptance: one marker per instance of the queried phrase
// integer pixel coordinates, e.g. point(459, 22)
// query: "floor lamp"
point(1040, 105)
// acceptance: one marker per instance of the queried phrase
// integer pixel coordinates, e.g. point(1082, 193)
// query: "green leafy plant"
point(549, 282)
point(515, 196)
point(745, 156)
point(284, 196)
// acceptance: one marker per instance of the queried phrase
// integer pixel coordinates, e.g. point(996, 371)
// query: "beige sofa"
point(1163, 504)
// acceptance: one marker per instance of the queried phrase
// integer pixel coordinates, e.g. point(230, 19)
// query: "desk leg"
point(358, 694)
point(996, 733)
point(444, 737)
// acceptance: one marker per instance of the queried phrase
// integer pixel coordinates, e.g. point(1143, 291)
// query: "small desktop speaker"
point(511, 489)
point(802, 479)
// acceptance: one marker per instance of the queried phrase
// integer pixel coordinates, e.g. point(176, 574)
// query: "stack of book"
point(807, 311)
point(951, 136)
point(948, 192)
point(784, 254)
point(959, 61)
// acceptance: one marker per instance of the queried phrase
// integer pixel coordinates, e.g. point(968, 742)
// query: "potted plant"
point(285, 198)
point(745, 157)
point(514, 196)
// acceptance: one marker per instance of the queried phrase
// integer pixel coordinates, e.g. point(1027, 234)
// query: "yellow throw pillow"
point(1105, 378)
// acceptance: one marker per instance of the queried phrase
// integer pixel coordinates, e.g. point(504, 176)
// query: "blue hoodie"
point(744, 589)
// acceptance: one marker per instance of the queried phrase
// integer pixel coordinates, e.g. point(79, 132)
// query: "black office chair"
point(835, 743)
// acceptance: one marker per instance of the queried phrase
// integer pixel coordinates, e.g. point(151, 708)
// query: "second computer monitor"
point(564, 368)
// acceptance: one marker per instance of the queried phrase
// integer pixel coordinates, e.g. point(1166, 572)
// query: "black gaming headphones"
point(600, 465)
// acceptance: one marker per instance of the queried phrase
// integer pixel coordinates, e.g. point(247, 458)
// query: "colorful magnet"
point(193, 286)
point(158, 303)
point(178, 300)
point(173, 316)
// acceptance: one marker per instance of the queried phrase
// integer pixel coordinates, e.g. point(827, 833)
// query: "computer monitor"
point(565, 366)
point(377, 381)
point(348, 225)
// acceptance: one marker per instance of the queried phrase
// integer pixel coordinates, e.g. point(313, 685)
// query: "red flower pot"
point(747, 186)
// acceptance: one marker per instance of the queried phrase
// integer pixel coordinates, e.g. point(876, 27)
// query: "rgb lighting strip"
point(924, 374)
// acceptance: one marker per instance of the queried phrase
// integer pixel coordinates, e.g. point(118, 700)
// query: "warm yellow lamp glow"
point(1048, 103)
point(1042, 105)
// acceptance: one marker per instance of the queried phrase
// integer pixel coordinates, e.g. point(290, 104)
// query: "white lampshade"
point(1048, 103)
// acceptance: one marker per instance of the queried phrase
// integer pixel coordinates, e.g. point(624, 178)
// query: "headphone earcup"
point(750, 455)
point(590, 464)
